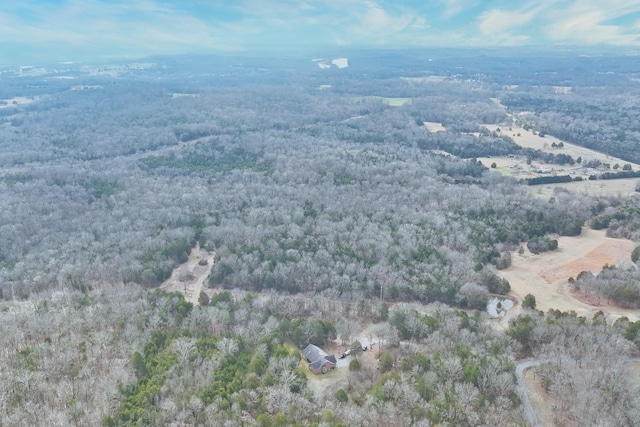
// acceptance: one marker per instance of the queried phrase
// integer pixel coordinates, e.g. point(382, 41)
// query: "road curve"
point(521, 367)
point(529, 413)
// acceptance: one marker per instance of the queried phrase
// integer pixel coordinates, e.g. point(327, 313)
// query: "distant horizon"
point(73, 30)
point(300, 54)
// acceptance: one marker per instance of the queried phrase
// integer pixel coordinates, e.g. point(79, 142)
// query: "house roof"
point(313, 353)
point(317, 356)
point(318, 363)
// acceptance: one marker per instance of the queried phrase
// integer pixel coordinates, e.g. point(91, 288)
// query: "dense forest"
point(329, 210)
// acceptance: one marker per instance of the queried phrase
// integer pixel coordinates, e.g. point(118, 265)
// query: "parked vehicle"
point(345, 353)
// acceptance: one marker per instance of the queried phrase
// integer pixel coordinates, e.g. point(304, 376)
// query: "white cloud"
point(497, 21)
point(94, 27)
point(587, 22)
point(454, 7)
point(142, 27)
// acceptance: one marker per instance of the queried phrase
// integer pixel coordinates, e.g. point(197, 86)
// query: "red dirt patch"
point(608, 252)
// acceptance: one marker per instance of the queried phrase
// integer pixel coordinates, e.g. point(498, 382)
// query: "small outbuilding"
point(318, 360)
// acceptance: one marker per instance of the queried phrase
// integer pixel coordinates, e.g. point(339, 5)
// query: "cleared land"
point(546, 275)
point(396, 102)
point(531, 139)
point(434, 126)
point(189, 278)
point(518, 168)
point(426, 79)
point(18, 100)
point(392, 102)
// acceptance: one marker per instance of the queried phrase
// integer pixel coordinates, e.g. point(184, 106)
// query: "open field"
point(392, 102)
point(434, 126)
point(545, 275)
point(610, 187)
point(426, 79)
point(396, 102)
point(518, 169)
point(18, 100)
point(529, 139)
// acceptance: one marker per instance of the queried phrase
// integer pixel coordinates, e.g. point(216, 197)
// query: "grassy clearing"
point(520, 170)
point(545, 275)
point(184, 95)
point(392, 102)
point(396, 102)
point(434, 126)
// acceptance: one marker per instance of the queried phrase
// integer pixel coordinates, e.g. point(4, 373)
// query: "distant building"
point(540, 168)
point(318, 360)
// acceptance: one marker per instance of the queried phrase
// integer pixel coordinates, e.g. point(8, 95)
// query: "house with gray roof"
point(318, 360)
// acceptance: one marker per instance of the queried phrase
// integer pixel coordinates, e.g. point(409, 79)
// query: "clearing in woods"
point(434, 126)
point(546, 275)
point(190, 277)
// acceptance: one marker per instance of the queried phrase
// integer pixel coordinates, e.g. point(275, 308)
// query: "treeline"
point(550, 179)
point(554, 179)
point(617, 285)
point(621, 219)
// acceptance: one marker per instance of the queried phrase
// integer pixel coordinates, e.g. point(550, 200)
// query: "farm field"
point(546, 275)
point(518, 168)
point(529, 139)
point(396, 102)
point(611, 187)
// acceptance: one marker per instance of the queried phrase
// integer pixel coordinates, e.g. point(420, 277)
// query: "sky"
point(60, 30)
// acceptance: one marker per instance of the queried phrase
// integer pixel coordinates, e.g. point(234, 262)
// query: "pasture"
point(546, 275)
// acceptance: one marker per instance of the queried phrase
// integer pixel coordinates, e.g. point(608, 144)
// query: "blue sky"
point(32, 30)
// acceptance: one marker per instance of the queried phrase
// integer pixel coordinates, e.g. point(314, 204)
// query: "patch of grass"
point(396, 102)
point(214, 159)
point(392, 102)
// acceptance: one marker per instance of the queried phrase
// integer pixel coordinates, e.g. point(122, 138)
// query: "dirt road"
point(529, 413)
point(189, 278)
